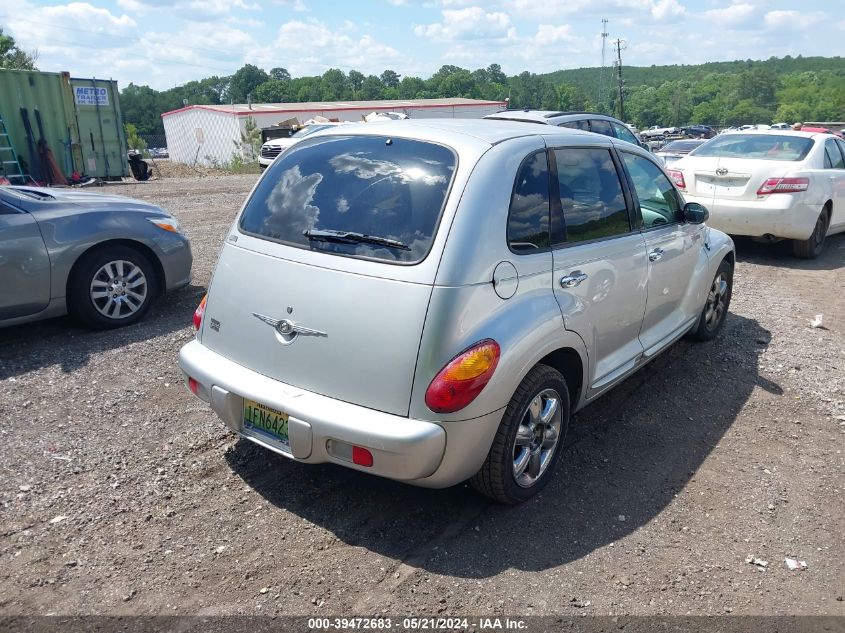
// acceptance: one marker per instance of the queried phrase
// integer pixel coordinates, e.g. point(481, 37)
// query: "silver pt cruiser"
point(430, 301)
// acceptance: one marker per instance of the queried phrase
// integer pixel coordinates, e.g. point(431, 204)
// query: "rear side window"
point(370, 197)
point(591, 196)
point(759, 146)
point(528, 218)
point(581, 124)
point(600, 126)
point(833, 157)
point(624, 133)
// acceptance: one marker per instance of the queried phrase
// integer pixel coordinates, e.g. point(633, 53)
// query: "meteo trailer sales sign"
point(91, 96)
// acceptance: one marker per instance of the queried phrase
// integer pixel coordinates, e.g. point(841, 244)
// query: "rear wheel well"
point(568, 362)
point(145, 250)
point(731, 259)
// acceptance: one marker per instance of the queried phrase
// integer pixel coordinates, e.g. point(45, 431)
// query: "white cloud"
point(792, 20)
point(548, 34)
point(664, 10)
point(467, 24)
point(733, 15)
point(311, 47)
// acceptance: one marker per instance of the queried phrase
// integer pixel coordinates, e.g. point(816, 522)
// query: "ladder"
point(10, 166)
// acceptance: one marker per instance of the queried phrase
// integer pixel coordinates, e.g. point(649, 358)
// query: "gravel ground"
point(122, 494)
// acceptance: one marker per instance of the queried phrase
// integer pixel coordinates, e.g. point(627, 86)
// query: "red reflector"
point(677, 177)
point(200, 313)
point(362, 456)
point(194, 386)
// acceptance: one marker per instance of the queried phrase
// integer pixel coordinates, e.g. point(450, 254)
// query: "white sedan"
point(769, 184)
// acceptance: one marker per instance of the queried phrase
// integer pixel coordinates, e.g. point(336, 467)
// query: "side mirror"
point(695, 213)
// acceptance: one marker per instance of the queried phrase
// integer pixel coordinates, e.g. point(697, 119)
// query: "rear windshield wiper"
point(351, 237)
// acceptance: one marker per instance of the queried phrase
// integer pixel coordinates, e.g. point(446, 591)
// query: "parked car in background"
point(275, 146)
point(656, 132)
point(586, 121)
point(770, 184)
point(699, 131)
point(104, 259)
point(477, 282)
point(676, 150)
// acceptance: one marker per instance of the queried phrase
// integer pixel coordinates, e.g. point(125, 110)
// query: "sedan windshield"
point(757, 146)
point(371, 197)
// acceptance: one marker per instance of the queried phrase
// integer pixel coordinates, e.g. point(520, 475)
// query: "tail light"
point(677, 177)
point(199, 313)
point(783, 185)
point(463, 378)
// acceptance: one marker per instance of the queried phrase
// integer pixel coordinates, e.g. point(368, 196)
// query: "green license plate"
point(266, 420)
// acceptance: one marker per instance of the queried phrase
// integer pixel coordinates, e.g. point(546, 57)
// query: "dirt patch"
point(122, 494)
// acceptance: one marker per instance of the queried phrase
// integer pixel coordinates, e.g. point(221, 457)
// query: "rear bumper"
point(781, 215)
point(403, 449)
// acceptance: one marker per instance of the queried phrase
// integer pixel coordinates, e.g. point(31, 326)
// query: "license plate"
point(266, 420)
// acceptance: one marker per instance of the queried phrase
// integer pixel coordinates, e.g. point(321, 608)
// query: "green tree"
point(244, 82)
point(334, 85)
point(133, 141)
point(356, 83)
point(250, 145)
point(372, 88)
point(411, 87)
point(390, 79)
point(13, 57)
point(281, 74)
point(272, 91)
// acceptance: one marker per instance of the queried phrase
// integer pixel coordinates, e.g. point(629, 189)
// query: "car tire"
point(813, 246)
point(529, 438)
point(96, 301)
point(716, 306)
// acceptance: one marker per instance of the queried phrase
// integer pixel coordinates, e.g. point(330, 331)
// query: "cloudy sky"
point(163, 43)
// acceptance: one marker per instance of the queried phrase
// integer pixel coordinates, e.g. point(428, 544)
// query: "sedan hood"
point(74, 201)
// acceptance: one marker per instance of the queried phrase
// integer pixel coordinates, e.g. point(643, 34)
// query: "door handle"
point(655, 254)
point(572, 279)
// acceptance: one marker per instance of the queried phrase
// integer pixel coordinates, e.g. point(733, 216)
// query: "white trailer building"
point(209, 134)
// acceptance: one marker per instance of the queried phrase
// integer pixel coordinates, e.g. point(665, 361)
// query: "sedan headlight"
point(167, 223)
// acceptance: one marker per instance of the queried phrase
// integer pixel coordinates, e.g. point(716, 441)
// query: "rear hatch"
point(315, 291)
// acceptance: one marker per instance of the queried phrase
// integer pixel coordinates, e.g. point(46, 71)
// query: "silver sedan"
point(102, 258)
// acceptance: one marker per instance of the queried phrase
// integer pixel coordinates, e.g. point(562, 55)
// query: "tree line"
point(784, 89)
point(720, 94)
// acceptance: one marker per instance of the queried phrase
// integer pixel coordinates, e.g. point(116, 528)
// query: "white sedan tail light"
point(783, 185)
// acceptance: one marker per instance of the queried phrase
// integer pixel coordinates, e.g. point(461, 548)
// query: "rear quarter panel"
point(465, 308)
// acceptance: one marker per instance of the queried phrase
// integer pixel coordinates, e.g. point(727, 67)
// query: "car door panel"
point(836, 176)
point(24, 265)
point(675, 250)
point(606, 308)
point(600, 264)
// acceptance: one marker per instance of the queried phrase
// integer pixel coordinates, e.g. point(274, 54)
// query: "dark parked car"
point(675, 150)
point(699, 130)
point(587, 121)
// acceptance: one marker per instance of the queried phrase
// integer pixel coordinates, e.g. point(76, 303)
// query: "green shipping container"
point(81, 122)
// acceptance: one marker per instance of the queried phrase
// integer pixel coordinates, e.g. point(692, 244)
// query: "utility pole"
point(600, 95)
point(619, 77)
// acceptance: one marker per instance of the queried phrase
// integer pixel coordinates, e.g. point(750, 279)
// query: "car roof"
point(778, 132)
point(546, 116)
point(450, 131)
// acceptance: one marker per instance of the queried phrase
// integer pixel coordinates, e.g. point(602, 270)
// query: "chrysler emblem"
point(287, 328)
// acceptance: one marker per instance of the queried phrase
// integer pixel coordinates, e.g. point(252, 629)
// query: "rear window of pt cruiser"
point(370, 197)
